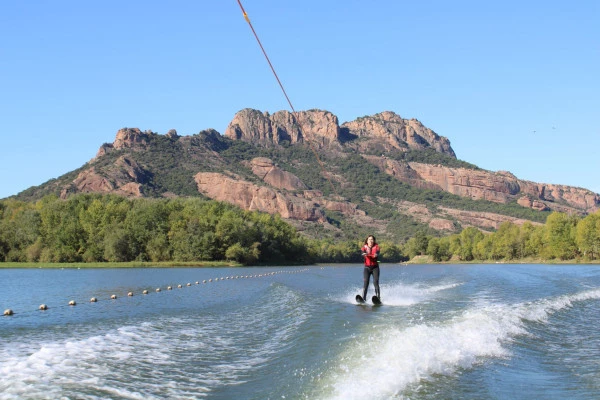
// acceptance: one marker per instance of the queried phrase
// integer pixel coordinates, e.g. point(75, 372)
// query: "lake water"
point(444, 332)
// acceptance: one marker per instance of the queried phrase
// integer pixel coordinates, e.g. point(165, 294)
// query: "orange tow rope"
point(265, 53)
point(284, 92)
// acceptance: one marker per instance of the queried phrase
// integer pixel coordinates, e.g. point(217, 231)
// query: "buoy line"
point(72, 303)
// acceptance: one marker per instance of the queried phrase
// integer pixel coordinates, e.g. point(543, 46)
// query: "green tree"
point(530, 241)
point(483, 248)
point(505, 242)
point(439, 249)
point(559, 237)
point(468, 239)
point(587, 236)
point(61, 231)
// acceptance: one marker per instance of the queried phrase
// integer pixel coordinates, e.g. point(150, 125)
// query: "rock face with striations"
point(284, 194)
point(499, 187)
point(399, 133)
point(275, 176)
point(125, 178)
point(250, 196)
point(321, 128)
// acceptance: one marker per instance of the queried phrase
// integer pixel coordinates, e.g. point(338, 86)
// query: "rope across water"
point(145, 292)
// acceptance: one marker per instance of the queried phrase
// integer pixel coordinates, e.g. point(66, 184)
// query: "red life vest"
point(371, 255)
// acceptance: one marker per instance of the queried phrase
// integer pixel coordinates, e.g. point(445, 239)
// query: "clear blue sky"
point(514, 85)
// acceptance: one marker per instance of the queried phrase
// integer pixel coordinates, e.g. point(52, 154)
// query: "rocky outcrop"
point(303, 205)
point(453, 220)
point(475, 184)
point(500, 187)
point(124, 178)
point(132, 138)
point(275, 176)
point(484, 220)
point(386, 130)
point(399, 133)
point(527, 202)
point(129, 138)
point(320, 128)
point(251, 197)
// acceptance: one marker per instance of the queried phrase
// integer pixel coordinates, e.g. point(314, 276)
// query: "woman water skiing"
point(370, 251)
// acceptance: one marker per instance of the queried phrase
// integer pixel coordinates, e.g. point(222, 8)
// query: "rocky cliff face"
point(309, 205)
point(275, 176)
point(499, 187)
point(128, 138)
point(399, 133)
point(125, 178)
point(250, 196)
point(275, 196)
point(320, 128)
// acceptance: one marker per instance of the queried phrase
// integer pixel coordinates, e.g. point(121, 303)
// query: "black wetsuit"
point(367, 272)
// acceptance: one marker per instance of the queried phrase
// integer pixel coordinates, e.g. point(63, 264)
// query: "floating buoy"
point(179, 286)
point(113, 297)
point(8, 311)
point(189, 284)
point(210, 280)
point(93, 300)
point(145, 292)
point(72, 303)
point(197, 282)
point(157, 290)
point(169, 288)
point(204, 281)
point(130, 294)
point(43, 307)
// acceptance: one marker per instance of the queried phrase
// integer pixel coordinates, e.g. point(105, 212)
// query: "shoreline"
point(129, 264)
point(419, 260)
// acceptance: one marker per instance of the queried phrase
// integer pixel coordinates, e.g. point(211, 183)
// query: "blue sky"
point(514, 85)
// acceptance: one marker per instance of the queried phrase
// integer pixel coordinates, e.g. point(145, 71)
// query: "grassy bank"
point(131, 264)
point(429, 260)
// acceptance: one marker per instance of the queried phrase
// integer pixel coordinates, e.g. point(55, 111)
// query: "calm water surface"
point(444, 332)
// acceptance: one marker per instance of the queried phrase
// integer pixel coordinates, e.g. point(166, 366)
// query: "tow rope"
point(287, 97)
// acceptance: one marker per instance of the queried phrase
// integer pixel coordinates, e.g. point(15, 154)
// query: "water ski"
point(376, 300)
point(359, 299)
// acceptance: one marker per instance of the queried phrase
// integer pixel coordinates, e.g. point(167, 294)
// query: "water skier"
point(370, 251)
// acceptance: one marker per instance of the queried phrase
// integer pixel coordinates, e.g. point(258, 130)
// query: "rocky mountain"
point(378, 173)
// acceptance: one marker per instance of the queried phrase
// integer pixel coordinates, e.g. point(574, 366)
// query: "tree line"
point(111, 228)
point(563, 237)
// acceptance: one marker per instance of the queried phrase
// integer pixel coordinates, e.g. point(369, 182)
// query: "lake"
point(444, 332)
